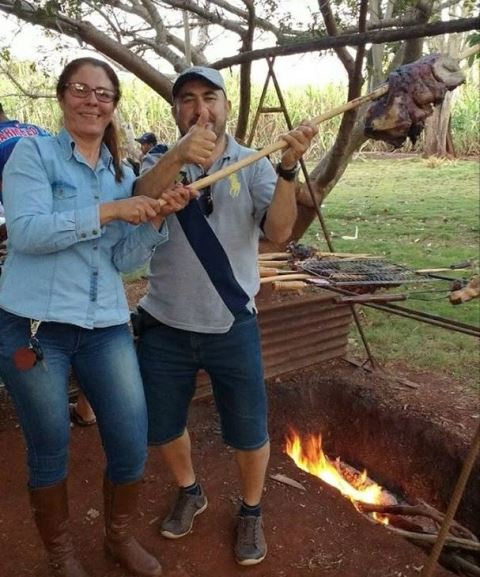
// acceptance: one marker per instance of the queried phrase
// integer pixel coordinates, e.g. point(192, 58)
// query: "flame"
point(310, 457)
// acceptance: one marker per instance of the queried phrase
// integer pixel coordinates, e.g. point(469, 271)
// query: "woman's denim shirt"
point(62, 265)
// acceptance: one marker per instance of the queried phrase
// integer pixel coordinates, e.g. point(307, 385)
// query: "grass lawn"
point(422, 214)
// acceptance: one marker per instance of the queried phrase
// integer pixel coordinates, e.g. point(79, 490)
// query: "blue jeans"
point(105, 363)
point(170, 359)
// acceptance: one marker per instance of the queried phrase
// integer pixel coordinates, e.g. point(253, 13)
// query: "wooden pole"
point(452, 507)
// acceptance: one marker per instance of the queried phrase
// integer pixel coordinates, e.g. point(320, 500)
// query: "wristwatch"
point(289, 174)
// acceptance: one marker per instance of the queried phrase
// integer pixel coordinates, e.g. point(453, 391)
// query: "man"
point(10, 133)
point(199, 311)
point(147, 141)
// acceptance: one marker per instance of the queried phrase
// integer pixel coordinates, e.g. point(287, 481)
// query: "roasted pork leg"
point(413, 90)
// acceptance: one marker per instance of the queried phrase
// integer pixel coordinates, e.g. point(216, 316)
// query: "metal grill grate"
point(362, 272)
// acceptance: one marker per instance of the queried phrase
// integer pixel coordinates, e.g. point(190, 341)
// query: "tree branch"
point(331, 26)
point(336, 162)
point(34, 95)
point(422, 11)
point(262, 23)
point(245, 75)
point(94, 37)
point(212, 17)
point(376, 37)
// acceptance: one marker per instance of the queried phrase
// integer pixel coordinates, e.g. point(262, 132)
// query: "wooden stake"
point(285, 277)
point(346, 255)
point(273, 255)
point(267, 272)
point(369, 298)
point(429, 270)
point(287, 481)
point(289, 285)
point(272, 263)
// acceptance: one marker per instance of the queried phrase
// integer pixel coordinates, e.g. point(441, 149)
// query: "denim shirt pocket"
point(64, 195)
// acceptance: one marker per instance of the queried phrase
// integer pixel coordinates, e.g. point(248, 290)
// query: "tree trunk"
point(437, 130)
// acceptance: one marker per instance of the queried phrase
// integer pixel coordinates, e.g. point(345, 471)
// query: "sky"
point(296, 70)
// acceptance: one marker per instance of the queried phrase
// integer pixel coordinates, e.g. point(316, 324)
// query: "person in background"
point(199, 312)
point(10, 133)
point(74, 226)
point(147, 141)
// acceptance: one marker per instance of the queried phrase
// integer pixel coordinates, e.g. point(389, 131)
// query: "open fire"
point(308, 455)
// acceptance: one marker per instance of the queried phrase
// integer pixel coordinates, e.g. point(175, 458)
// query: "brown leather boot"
point(120, 506)
point(50, 511)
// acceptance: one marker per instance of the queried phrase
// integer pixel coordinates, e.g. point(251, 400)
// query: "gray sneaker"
point(180, 520)
point(251, 547)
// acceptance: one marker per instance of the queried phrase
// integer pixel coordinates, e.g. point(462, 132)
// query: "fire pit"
point(419, 522)
point(414, 459)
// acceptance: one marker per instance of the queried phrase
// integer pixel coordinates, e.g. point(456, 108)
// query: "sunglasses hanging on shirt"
point(206, 200)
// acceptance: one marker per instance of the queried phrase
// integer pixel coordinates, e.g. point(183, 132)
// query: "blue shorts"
point(169, 361)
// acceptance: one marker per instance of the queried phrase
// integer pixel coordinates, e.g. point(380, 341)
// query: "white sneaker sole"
point(246, 562)
point(169, 535)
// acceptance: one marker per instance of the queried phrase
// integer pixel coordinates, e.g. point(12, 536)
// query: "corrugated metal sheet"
point(298, 333)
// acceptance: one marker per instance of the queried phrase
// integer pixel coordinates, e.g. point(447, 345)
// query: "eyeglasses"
point(81, 90)
point(206, 200)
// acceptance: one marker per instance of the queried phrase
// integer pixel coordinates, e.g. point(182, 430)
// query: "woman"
point(70, 210)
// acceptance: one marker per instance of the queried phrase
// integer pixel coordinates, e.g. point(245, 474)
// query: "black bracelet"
point(289, 174)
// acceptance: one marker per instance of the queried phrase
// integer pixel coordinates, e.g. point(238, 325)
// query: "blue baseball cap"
point(211, 75)
point(147, 137)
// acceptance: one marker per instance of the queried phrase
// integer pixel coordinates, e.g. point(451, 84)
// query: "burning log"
point(466, 567)
point(431, 538)
point(420, 509)
point(460, 543)
point(413, 89)
point(310, 457)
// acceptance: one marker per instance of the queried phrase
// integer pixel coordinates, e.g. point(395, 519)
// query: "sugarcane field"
point(239, 289)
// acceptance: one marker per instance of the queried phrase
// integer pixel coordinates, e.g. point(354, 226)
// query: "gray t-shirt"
point(180, 293)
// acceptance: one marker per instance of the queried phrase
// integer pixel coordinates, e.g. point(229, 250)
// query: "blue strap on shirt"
point(214, 259)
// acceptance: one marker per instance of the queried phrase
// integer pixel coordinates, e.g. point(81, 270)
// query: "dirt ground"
point(311, 533)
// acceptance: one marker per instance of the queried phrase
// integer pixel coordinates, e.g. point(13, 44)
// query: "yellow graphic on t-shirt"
point(234, 185)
